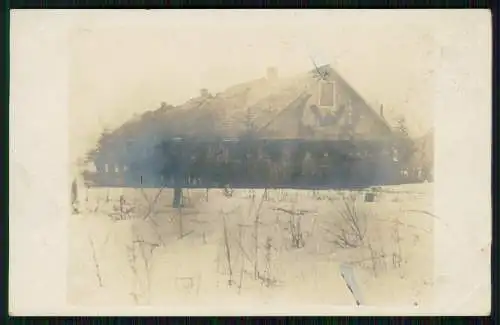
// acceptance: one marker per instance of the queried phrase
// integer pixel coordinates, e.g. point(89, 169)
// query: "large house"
point(311, 130)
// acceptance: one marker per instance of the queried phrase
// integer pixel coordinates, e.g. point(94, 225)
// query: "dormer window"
point(327, 94)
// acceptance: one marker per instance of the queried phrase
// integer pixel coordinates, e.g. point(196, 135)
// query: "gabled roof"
point(352, 92)
point(325, 122)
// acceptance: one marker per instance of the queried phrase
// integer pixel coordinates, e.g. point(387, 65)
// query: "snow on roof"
point(247, 106)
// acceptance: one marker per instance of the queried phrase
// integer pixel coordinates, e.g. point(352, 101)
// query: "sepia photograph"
point(240, 158)
point(254, 162)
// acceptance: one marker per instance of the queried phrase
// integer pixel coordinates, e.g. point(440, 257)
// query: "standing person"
point(74, 197)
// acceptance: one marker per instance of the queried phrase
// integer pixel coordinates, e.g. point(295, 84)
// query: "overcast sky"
point(127, 62)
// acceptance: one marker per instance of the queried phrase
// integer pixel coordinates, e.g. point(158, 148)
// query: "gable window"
point(327, 94)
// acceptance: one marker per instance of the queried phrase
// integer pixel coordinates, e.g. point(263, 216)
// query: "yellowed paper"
point(423, 248)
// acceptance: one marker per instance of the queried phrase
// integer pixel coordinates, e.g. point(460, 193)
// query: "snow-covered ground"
point(129, 247)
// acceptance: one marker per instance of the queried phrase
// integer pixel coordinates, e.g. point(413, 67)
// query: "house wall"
point(304, 118)
point(259, 163)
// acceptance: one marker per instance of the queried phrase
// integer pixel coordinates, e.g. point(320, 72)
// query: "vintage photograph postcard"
point(250, 162)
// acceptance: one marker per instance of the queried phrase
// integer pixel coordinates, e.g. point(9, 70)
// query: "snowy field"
point(130, 247)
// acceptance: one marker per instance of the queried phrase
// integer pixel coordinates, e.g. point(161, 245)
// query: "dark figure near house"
point(74, 197)
point(176, 169)
point(177, 202)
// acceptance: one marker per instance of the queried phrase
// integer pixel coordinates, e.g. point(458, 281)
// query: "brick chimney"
point(272, 74)
point(204, 92)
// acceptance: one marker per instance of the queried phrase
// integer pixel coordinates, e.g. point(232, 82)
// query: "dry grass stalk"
point(294, 228)
point(396, 256)
point(121, 212)
point(98, 205)
point(296, 232)
point(181, 229)
point(96, 262)
point(144, 248)
point(151, 204)
point(267, 278)
point(150, 211)
point(240, 244)
point(132, 258)
point(256, 225)
point(228, 250)
point(242, 249)
point(135, 296)
point(373, 258)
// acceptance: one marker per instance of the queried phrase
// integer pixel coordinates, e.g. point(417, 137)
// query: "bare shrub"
point(295, 226)
point(296, 232)
point(122, 211)
point(228, 191)
point(374, 258)
point(351, 229)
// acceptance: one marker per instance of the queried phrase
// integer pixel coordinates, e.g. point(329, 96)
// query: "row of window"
point(108, 168)
point(225, 158)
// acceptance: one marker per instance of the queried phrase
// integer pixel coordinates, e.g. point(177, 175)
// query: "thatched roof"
point(276, 108)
